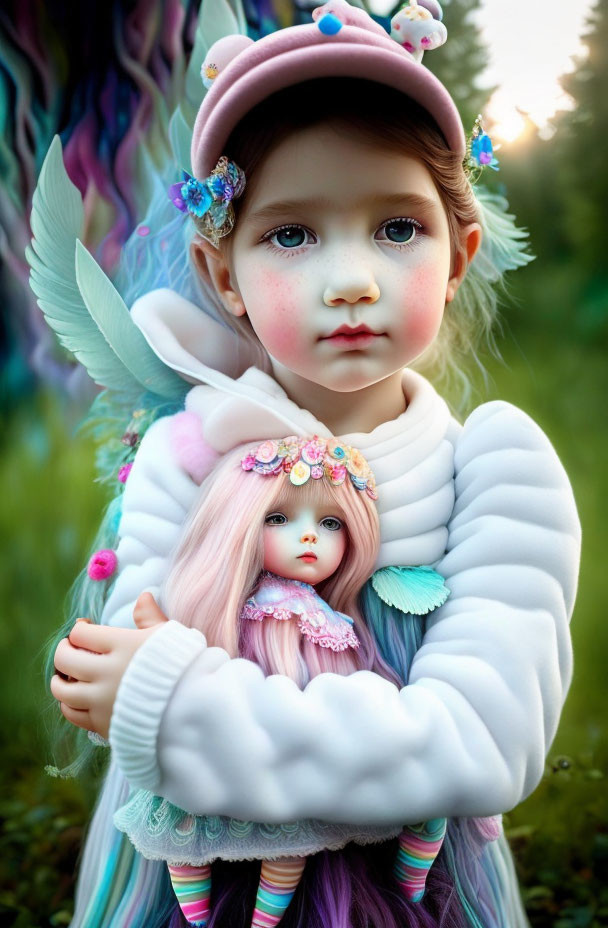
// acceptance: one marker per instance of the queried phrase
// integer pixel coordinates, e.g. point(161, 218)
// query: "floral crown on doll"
point(302, 459)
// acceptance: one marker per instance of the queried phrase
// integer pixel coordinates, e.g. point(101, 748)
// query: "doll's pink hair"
point(219, 560)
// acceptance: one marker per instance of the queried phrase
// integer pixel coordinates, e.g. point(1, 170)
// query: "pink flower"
point(267, 451)
point(124, 471)
point(316, 471)
point(102, 564)
point(248, 462)
point(314, 450)
point(337, 474)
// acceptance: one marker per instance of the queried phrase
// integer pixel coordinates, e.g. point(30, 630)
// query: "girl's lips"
point(358, 341)
point(309, 557)
point(354, 337)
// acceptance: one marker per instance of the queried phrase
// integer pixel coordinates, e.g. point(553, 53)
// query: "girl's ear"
point(213, 266)
point(470, 240)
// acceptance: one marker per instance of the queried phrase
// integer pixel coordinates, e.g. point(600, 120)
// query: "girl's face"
point(342, 260)
point(305, 542)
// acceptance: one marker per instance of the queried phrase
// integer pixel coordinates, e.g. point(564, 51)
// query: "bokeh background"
point(104, 76)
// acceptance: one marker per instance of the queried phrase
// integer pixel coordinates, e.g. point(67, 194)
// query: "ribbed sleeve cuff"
point(142, 698)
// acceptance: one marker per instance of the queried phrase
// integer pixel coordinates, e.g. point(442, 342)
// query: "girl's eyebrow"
point(271, 210)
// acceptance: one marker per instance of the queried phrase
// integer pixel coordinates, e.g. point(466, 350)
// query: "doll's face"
point(305, 542)
point(342, 259)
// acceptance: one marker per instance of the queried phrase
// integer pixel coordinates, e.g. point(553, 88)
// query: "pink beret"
point(343, 42)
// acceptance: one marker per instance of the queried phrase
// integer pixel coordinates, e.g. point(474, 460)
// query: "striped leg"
point(192, 886)
point(278, 882)
point(418, 848)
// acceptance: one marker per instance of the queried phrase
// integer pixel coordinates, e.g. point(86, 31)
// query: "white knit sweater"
point(489, 504)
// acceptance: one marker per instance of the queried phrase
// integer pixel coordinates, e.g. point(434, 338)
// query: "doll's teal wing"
point(217, 19)
point(79, 301)
point(416, 590)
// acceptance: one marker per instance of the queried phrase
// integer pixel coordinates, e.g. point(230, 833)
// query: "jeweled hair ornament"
point(480, 152)
point(209, 202)
point(303, 459)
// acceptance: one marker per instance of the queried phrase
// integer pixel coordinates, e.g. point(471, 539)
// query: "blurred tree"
point(583, 177)
point(558, 188)
point(460, 62)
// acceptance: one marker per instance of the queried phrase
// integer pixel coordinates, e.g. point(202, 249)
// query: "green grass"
point(49, 513)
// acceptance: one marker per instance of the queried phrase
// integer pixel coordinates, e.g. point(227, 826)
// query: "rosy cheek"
point(272, 551)
point(423, 307)
point(275, 308)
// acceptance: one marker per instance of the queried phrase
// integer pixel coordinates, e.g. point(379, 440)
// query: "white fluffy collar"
point(411, 456)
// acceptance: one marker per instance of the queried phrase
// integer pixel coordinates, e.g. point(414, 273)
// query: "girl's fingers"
point(73, 693)
point(78, 717)
point(75, 662)
point(91, 637)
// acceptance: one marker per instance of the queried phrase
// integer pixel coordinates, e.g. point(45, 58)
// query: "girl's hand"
point(91, 663)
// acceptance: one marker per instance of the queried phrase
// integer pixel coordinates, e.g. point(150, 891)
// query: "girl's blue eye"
point(275, 518)
point(401, 231)
point(289, 237)
point(331, 524)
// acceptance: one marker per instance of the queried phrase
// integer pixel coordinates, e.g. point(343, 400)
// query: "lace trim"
point(161, 831)
point(312, 624)
point(259, 613)
point(325, 638)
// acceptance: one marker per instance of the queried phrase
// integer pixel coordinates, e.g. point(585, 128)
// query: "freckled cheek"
point(423, 305)
point(275, 307)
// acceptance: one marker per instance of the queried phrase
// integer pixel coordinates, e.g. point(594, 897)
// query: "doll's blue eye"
point(401, 231)
point(331, 524)
point(275, 518)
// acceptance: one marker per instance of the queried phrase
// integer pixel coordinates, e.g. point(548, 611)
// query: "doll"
point(312, 503)
point(352, 249)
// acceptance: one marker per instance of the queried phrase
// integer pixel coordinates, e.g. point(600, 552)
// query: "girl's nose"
point(351, 284)
point(309, 538)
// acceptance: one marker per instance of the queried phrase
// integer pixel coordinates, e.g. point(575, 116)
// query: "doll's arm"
point(468, 736)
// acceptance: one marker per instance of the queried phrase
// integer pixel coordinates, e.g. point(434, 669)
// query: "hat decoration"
point(417, 27)
point(221, 54)
point(302, 459)
point(333, 15)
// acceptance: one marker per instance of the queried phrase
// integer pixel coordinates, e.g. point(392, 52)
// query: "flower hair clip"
point(313, 458)
point(209, 202)
point(480, 152)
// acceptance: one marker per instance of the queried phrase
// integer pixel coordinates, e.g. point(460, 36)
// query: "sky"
point(531, 44)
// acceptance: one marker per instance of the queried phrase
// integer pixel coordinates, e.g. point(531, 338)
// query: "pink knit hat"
point(342, 42)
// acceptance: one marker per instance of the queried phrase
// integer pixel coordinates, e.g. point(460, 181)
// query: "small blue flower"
point(221, 187)
point(482, 152)
point(196, 196)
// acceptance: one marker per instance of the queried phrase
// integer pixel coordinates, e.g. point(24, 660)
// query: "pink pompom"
point(192, 451)
point(490, 828)
point(124, 471)
point(102, 564)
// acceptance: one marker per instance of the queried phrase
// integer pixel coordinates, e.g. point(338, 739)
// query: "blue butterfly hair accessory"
point(480, 151)
point(209, 202)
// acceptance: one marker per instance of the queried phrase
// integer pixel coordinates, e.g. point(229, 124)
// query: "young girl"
point(355, 250)
point(310, 523)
